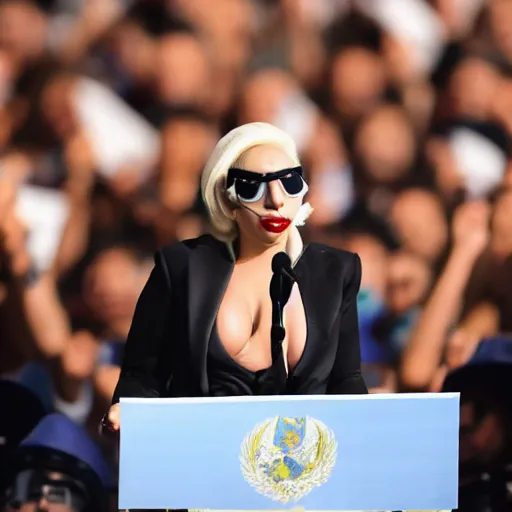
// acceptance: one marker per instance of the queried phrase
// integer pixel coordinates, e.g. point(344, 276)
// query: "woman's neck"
point(247, 249)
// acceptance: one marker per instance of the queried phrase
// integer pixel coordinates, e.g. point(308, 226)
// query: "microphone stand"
point(277, 330)
point(273, 381)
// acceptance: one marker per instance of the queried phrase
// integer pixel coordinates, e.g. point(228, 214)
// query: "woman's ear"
point(229, 203)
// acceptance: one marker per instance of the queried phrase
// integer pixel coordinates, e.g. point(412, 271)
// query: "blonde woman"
point(203, 321)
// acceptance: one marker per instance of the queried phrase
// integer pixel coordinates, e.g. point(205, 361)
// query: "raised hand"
point(470, 227)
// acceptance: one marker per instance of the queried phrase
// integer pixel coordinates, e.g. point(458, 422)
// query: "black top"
point(167, 353)
point(227, 378)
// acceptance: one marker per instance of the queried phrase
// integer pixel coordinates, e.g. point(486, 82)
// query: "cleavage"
point(245, 317)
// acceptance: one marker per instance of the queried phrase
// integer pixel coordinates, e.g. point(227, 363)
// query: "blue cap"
point(496, 350)
point(58, 433)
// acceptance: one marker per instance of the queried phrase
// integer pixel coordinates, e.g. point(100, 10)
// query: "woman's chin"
point(271, 238)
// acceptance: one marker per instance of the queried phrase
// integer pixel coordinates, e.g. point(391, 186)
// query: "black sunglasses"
point(249, 187)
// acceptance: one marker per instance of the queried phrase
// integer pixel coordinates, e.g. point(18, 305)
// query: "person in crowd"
point(485, 425)
point(58, 468)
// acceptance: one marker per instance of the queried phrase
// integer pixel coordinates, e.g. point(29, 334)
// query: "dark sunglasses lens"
point(54, 495)
point(247, 190)
point(57, 495)
point(293, 184)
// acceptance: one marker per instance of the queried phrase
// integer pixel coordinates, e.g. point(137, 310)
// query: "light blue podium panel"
point(360, 452)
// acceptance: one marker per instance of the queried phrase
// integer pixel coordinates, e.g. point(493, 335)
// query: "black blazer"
point(166, 349)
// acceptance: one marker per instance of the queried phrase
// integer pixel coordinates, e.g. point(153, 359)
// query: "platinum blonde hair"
point(226, 153)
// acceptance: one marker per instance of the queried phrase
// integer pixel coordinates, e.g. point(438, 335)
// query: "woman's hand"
point(112, 420)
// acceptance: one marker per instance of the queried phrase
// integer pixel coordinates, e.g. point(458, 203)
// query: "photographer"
point(485, 456)
point(58, 468)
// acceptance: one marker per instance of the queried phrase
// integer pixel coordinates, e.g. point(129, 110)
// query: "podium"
point(325, 453)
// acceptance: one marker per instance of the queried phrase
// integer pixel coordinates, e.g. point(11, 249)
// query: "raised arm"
point(423, 354)
point(346, 378)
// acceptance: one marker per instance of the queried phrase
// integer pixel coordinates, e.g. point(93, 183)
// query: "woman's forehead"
point(264, 159)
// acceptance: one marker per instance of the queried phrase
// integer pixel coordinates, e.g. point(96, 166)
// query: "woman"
point(203, 321)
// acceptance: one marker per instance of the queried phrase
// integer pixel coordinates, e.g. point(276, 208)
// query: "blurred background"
point(402, 113)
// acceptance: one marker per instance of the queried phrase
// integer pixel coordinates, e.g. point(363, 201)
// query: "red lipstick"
point(274, 224)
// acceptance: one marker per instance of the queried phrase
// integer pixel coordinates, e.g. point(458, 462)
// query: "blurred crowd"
point(402, 113)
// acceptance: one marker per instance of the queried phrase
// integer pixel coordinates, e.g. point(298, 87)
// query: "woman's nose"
point(274, 198)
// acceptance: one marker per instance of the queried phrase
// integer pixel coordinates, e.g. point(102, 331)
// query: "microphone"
point(281, 264)
point(251, 210)
point(281, 286)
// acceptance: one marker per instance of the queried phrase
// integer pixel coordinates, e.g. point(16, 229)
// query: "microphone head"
point(279, 261)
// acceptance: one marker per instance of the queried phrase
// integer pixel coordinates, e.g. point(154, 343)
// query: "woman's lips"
point(274, 224)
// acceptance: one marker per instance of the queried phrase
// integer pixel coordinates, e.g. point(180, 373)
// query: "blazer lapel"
point(317, 286)
point(209, 271)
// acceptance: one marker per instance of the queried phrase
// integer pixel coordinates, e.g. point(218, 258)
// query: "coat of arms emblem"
point(285, 458)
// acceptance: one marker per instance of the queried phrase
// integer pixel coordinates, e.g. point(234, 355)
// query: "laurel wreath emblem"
point(319, 449)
